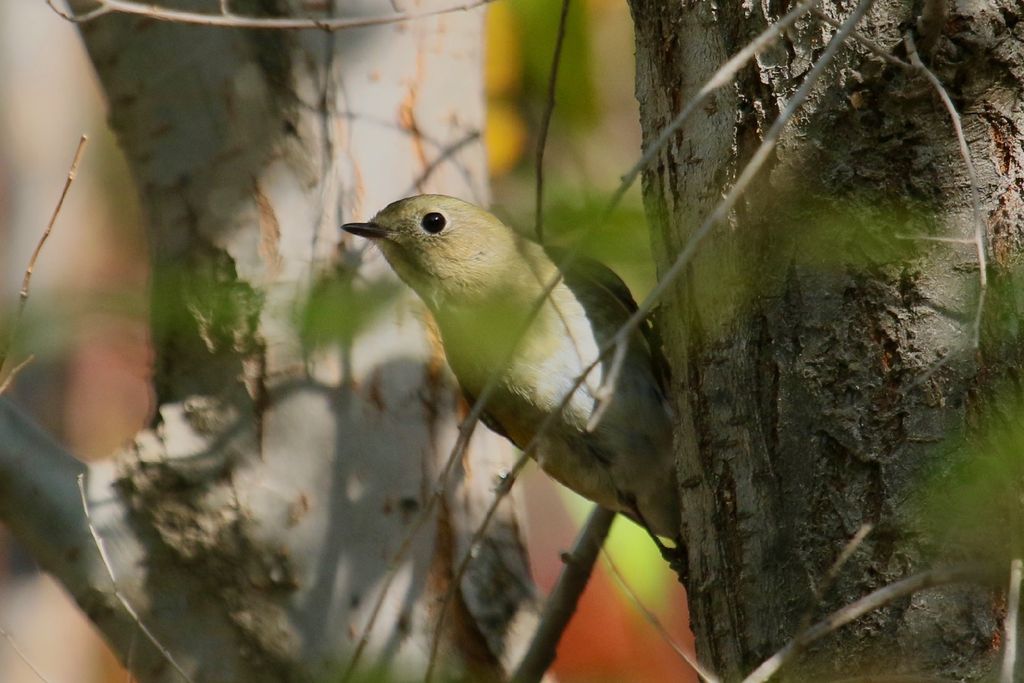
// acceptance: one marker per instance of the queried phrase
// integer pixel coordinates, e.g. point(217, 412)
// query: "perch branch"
point(565, 596)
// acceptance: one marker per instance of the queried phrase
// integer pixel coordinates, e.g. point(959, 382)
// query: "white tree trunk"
point(253, 524)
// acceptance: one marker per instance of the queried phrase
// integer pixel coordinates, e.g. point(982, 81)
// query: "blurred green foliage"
point(575, 92)
point(337, 309)
point(975, 506)
point(620, 240)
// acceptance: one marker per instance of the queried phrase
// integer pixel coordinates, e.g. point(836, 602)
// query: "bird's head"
point(444, 248)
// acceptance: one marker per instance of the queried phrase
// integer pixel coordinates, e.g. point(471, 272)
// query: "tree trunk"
point(253, 525)
point(805, 335)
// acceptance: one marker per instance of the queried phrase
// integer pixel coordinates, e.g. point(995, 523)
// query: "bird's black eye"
point(433, 222)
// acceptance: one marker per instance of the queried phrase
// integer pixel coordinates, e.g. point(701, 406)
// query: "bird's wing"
point(595, 273)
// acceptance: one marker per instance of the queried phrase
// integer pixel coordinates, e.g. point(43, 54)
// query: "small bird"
point(482, 280)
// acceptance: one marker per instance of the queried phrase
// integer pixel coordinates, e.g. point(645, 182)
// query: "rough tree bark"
point(801, 336)
point(252, 525)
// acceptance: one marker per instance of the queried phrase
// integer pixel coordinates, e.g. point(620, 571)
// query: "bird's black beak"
point(370, 230)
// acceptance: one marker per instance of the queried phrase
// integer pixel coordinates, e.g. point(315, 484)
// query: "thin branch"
point(972, 177)
point(13, 374)
point(98, 540)
point(833, 573)
point(22, 656)
point(565, 596)
point(855, 610)
point(872, 47)
point(26, 280)
point(445, 155)
point(931, 22)
point(545, 123)
point(627, 328)
point(725, 206)
point(466, 428)
point(722, 77)
point(504, 486)
point(934, 238)
point(895, 678)
point(653, 620)
point(1010, 632)
point(605, 394)
point(226, 20)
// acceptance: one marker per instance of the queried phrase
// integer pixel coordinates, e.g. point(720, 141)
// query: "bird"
point(483, 282)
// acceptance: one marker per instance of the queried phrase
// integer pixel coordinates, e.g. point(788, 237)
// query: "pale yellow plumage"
point(480, 279)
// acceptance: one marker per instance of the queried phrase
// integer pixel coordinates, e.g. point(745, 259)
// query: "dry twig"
point(1010, 633)
point(972, 177)
point(872, 47)
point(722, 210)
point(833, 572)
point(26, 280)
point(565, 596)
point(13, 374)
point(721, 78)
point(653, 620)
point(855, 610)
point(227, 20)
point(545, 123)
point(468, 424)
point(725, 206)
point(21, 654)
point(98, 540)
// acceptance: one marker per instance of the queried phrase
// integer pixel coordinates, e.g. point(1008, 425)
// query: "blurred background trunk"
point(804, 336)
point(303, 412)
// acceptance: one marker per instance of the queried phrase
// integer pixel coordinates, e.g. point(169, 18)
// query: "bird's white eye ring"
point(433, 222)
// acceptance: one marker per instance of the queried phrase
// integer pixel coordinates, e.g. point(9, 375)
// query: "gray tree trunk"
point(802, 336)
point(252, 526)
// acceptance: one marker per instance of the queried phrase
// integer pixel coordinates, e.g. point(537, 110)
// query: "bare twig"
point(98, 540)
point(621, 337)
point(504, 486)
point(1010, 632)
point(872, 47)
point(833, 573)
point(13, 374)
point(725, 206)
point(972, 177)
point(545, 123)
point(895, 678)
point(855, 610)
point(565, 596)
point(445, 155)
point(931, 22)
point(22, 656)
point(26, 280)
point(605, 394)
point(934, 238)
point(228, 20)
point(653, 620)
point(722, 77)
